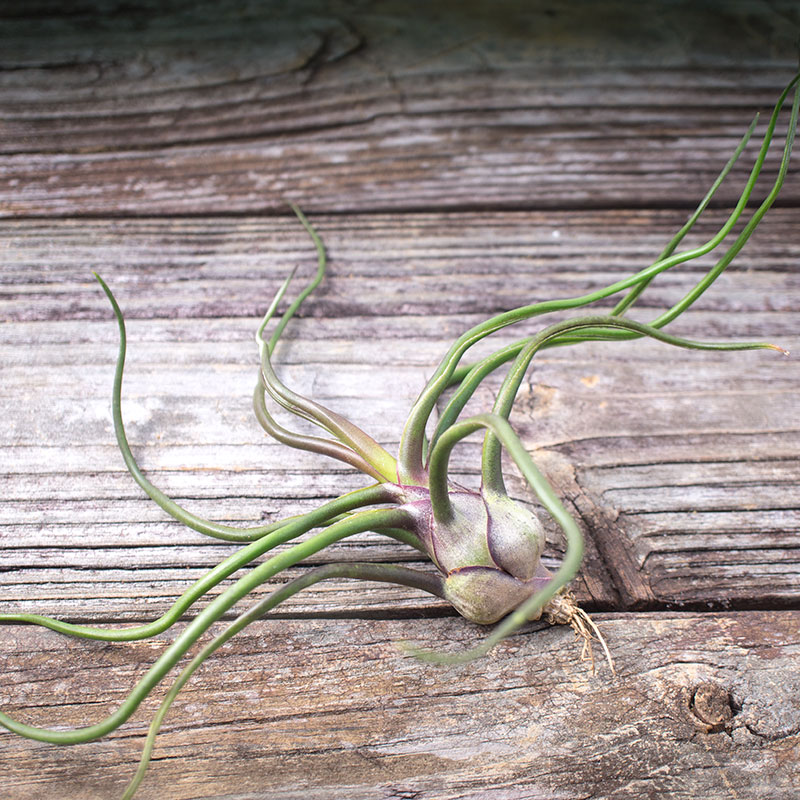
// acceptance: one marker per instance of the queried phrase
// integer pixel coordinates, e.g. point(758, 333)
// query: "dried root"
point(563, 609)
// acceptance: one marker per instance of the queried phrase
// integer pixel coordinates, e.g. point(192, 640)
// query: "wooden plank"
point(168, 112)
point(415, 270)
point(703, 706)
point(682, 477)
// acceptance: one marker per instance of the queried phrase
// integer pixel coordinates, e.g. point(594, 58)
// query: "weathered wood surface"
point(684, 475)
point(214, 107)
point(530, 153)
point(705, 705)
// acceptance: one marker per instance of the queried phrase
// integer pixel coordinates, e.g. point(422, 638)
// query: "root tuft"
point(563, 609)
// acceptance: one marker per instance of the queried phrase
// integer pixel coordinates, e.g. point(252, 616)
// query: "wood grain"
point(686, 471)
point(390, 107)
point(298, 707)
point(458, 160)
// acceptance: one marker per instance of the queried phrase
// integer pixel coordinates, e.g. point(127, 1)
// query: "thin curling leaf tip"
point(110, 295)
point(273, 307)
point(781, 350)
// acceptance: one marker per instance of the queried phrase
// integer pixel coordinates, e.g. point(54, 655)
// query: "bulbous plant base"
point(563, 609)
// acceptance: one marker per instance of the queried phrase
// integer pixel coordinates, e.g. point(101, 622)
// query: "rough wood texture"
point(684, 472)
point(704, 705)
point(215, 106)
point(457, 162)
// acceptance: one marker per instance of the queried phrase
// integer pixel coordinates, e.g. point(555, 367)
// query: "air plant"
point(486, 548)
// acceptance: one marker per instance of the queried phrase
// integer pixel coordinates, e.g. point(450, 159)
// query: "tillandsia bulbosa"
point(485, 548)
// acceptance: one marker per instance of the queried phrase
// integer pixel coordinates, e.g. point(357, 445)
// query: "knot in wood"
point(711, 704)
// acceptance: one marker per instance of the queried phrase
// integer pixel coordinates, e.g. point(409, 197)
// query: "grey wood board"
point(703, 705)
point(191, 110)
point(683, 476)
